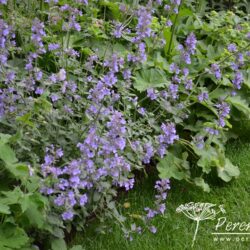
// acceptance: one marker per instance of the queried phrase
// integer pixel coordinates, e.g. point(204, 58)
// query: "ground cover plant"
point(93, 94)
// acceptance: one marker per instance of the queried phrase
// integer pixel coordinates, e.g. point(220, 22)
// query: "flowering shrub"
point(92, 91)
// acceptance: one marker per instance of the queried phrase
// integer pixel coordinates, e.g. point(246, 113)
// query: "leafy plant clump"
point(91, 91)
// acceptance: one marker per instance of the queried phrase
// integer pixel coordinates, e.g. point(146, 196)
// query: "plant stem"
point(196, 231)
point(173, 30)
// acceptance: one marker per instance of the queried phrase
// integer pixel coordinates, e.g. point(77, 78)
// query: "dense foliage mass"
point(91, 91)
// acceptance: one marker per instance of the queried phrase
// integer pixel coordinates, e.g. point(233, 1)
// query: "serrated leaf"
point(228, 171)
point(12, 197)
point(241, 104)
point(150, 78)
point(201, 183)
point(4, 138)
point(172, 167)
point(4, 209)
point(7, 154)
point(208, 158)
point(12, 236)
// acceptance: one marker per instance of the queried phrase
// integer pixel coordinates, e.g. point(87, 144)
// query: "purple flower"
point(232, 47)
point(188, 84)
point(185, 56)
point(216, 70)
point(59, 153)
point(224, 109)
point(61, 76)
point(169, 23)
point(176, 2)
point(212, 131)
point(173, 90)
point(174, 68)
point(153, 229)
point(126, 74)
point(144, 20)
point(169, 134)
point(10, 76)
point(185, 72)
point(150, 213)
point(162, 208)
point(39, 91)
point(162, 185)
point(167, 7)
point(53, 46)
point(118, 29)
point(3, 59)
point(122, 7)
point(142, 111)
point(37, 34)
point(199, 142)
point(67, 215)
point(238, 80)
point(59, 200)
point(191, 43)
point(83, 200)
point(129, 184)
point(151, 94)
point(39, 75)
point(240, 59)
point(54, 97)
point(203, 96)
point(149, 153)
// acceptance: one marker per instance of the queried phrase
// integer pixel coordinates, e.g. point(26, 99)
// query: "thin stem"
point(173, 30)
point(196, 231)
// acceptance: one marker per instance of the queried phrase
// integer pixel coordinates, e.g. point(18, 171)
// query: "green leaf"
point(12, 236)
point(208, 158)
point(19, 170)
point(241, 104)
point(228, 171)
point(246, 75)
point(4, 138)
point(171, 166)
point(114, 8)
point(32, 206)
point(167, 33)
point(41, 104)
point(4, 209)
point(25, 119)
point(201, 183)
point(150, 78)
point(7, 154)
point(12, 197)
point(58, 244)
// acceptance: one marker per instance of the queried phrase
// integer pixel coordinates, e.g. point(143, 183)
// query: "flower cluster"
point(189, 49)
point(224, 110)
point(162, 187)
point(167, 138)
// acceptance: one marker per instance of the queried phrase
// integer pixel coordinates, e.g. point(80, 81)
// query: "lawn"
point(175, 231)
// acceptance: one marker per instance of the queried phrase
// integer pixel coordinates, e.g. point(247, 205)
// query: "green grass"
point(175, 231)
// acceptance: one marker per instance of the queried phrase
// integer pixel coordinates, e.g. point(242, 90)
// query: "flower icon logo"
point(199, 212)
